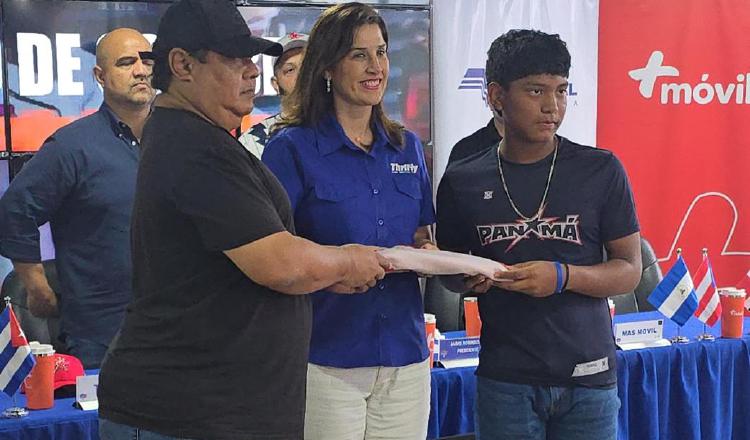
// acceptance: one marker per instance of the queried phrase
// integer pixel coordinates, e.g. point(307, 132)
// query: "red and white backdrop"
point(670, 85)
point(674, 105)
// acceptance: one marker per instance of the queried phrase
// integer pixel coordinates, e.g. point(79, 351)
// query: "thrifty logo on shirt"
point(404, 168)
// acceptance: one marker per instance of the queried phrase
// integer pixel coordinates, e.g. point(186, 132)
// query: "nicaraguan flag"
point(16, 360)
point(675, 295)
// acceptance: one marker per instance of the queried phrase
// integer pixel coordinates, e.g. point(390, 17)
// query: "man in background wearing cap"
point(82, 181)
point(285, 69)
point(215, 343)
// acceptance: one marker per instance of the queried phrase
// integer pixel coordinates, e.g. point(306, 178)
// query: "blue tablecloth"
point(62, 421)
point(452, 402)
point(695, 391)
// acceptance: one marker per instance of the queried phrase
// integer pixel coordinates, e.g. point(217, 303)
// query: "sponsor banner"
point(673, 106)
point(462, 34)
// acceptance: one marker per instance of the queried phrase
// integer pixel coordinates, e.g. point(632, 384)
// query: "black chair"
point(445, 304)
point(44, 330)
point(625, 303)
point(635, 301)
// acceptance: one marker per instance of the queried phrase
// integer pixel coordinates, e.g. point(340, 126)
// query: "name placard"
point(459, 348)
point(86, 397)
point(640, 331)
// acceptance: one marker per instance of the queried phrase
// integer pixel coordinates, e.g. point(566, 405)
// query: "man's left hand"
point(477, 283)
point(534, 278)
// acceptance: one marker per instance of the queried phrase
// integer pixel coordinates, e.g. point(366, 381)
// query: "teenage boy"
point(546, 207)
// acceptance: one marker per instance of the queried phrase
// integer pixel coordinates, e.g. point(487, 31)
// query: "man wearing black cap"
point(214, 344)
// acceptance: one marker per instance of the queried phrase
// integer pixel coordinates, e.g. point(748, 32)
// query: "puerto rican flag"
point(16, 360)
point(709, 306)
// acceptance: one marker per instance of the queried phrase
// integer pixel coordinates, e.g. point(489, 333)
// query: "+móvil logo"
point(703, 92)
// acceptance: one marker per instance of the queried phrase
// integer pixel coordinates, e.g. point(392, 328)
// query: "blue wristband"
point(559, 270)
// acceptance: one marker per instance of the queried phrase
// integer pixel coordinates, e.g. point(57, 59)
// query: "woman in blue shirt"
point(355, 176)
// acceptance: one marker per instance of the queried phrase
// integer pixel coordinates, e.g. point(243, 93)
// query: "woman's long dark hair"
point(330, 41)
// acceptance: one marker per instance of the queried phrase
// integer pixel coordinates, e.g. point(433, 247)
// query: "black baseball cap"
point(215, 25)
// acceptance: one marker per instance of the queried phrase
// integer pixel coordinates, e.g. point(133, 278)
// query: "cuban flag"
point(16, 360)
point(675, 296)
point(709, 306)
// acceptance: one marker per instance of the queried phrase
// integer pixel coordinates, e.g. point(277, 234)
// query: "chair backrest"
point(635, 301)
point(625, 303)
point(650, 277)
point(44, 330)
point(445, 304)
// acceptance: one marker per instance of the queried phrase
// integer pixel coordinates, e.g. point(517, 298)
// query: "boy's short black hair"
point(522, 52)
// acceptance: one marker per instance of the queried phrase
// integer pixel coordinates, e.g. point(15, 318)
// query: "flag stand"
point(15, 411)
point(679, 339)
point(706, 336)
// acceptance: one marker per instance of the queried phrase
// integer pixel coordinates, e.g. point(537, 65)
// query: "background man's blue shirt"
point(82, 181)
point(342, 194)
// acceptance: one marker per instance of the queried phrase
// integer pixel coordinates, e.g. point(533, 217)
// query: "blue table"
point(694, 391)
point(60, 422)
point(452, 402)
